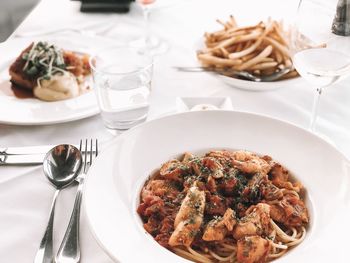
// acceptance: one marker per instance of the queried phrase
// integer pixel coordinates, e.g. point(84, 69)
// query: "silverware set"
point(63, 165)
point(69, 251)
point(27, 155)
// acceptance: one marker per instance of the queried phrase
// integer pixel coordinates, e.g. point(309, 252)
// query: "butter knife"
point(22, 159)
point(42, 149)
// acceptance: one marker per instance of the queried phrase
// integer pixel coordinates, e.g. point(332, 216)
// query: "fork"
point(235, 73)
point(69, 250)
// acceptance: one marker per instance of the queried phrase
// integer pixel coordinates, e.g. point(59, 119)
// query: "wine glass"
point(149, 42)
point(321, 45)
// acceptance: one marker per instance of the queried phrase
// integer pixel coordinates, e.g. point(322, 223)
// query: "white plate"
point(31, 111)
point(115, 179)
point(247, 84)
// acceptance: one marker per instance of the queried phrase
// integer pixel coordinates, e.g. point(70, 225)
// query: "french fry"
point(268, 59)
point(224, 52)
point(283, 49)
point(277, 31)
point(222, 23)
point(233, 21)
point(238, 39)
point(250, 56)
point(264, 66)
point(288, 62)
point(278, 56)
point(263, 54)
point(230, 35)
point(246, 51)
point(212, 60)
point(250, 48)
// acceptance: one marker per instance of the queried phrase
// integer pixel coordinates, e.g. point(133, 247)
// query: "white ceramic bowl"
point(114, 181)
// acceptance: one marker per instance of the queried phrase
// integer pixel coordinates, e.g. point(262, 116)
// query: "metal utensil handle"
point(45, 252)
point(69, 250)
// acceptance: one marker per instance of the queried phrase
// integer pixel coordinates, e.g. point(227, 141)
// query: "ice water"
point(124, 99)
point(322, 66)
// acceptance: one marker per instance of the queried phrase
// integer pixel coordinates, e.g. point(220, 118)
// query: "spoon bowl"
point(62, 165)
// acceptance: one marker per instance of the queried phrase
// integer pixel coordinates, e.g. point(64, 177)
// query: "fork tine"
point(90, 151)
point(96, 146)
point(80, 145)
point(85, 155)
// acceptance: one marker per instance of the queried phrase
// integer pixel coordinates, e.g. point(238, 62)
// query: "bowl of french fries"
point(262, 50)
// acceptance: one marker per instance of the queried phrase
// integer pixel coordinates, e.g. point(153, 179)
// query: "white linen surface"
point(25, 194)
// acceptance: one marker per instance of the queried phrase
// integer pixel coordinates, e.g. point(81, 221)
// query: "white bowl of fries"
point(261, 49)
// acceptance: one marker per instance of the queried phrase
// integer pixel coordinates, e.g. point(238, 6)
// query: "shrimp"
point(280, 177)
point(250, 163)
point(290, 211)
point(187, 157)
point(224, 157)
point(173, 170)
point(207, 166)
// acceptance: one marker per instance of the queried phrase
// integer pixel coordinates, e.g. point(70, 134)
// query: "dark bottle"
point(341, 22)
point(118, 6)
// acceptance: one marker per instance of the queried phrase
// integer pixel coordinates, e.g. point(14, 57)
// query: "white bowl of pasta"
point(243, 208)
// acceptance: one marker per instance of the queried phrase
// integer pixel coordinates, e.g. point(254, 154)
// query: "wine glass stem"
point(146, 13)
point(315, 107)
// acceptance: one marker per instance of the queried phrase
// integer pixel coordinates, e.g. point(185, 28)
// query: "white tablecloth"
point(25, 194)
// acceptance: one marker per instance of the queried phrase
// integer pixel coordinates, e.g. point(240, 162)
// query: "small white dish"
point(184, 104)
point(112, 189)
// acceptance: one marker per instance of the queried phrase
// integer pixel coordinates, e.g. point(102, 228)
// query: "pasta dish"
point(224, 206)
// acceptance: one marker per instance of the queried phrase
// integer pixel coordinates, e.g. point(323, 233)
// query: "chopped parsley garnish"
point(44, 60)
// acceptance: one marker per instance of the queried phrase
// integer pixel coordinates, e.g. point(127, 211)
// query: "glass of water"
point(122, 79)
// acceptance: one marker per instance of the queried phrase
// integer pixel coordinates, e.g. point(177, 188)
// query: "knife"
point(42, 149)
point(22, 159)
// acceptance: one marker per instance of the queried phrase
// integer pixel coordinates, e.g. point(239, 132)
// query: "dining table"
point(25, 193)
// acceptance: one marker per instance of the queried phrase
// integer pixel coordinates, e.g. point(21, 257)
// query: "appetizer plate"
point(32, 111)
point(115, 180)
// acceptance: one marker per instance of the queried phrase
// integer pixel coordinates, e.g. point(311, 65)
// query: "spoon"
point(61, 166)
point(235, 73)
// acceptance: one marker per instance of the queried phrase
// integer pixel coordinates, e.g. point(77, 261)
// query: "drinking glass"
point(320, 56)
point(122, 82)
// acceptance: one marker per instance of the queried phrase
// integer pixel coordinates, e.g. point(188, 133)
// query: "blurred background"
point(12, 13)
